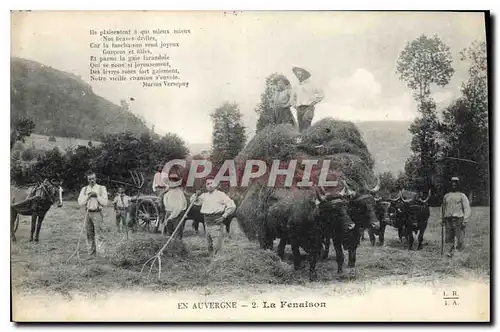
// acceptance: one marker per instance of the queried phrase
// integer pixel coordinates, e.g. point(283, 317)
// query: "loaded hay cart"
point(146, 210)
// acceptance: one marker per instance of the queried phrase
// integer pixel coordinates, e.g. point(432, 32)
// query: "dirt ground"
point(43, 268)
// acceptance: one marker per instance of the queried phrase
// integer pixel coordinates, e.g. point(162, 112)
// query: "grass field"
point(43, 267)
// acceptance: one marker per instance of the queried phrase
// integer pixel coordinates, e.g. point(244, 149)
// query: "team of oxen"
point(312, 219)
point(309, 219)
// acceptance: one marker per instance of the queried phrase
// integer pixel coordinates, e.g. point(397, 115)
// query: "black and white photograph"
point(250, 166)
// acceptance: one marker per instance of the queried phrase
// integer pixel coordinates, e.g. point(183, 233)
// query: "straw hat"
point(172, 178)
point(301, 73)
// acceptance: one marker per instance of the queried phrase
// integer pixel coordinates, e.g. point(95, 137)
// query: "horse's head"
point(52, 191)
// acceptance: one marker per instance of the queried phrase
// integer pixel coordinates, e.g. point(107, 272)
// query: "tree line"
point(453, 141)
point(450, 142)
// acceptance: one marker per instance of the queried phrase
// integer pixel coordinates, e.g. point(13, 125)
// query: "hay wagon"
point(146, 209)
point(148, 212)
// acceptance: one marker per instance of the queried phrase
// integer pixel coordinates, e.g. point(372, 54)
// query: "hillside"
point(388, 142)
point(62, 104)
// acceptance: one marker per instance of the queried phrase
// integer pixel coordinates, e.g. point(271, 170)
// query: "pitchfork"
point(137, 179)
point(157, 258)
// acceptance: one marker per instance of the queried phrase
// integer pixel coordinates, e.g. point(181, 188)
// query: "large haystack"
point(340, 142)
point(273, 142)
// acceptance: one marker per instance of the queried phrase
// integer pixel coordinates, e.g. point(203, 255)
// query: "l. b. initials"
point(451, 298)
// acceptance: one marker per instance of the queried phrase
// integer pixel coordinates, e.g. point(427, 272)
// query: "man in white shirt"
point(175, 203)
point(305, 97)
point(455, 212)
point(121, 204)
point(93, 197)
point(217, 208)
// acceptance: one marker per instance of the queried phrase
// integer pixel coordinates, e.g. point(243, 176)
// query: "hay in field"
point(135, 252)
point(248, 265)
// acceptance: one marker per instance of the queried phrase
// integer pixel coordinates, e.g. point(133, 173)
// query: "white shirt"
point(305, 94)
point(122, 202)
point(174, 201)
point(217, 202)
point(455, 204)
point(94, 203)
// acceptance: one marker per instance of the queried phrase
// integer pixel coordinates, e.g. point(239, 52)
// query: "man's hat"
point(173, 177)
point(301, 72)
point(455, 178)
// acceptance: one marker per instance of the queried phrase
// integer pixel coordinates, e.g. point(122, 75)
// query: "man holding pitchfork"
point(93, 197)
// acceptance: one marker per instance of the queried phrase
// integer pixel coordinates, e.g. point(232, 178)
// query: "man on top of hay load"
point(174, 202)
point(455, 212)
point(282, 98)
point(305, 97)
point(93, 197)
point(216, 207)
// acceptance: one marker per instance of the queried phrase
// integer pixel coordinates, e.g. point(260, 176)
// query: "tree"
point(20, 129)
point(229, 135)
point(465, 128)
point(126, 152)
point(422, 63)
point(264, 109)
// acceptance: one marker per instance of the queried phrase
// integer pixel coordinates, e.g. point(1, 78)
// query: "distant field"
point(43, 266)
point(41, 142)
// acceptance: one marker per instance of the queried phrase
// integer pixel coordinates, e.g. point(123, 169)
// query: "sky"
point(351, 56)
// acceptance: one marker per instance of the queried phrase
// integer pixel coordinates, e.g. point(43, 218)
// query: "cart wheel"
point(147, 215)
point(16, 223)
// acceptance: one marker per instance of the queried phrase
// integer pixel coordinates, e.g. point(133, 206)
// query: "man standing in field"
point(94, 198)
point(216, 208)
point(121, 204)
point(175, 203)
point(455, 212)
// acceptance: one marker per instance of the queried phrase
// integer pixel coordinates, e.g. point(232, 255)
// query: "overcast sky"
point(351, 55)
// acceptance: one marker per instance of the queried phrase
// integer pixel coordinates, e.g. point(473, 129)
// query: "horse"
point(37, 201)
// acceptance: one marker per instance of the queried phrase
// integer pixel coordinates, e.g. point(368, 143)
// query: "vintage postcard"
point(250, 166)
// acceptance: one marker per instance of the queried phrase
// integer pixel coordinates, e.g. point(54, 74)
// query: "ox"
point(411, 215)
point(337, 213)
point(290, 215)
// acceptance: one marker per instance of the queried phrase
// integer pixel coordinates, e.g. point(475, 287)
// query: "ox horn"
point(428, 196)
point(403, 199)
point(376, 188)
point(397, 198)
point(320, 197)
point(349, 191)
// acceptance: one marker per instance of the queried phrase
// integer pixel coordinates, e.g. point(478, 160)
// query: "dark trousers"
point(172, 224)
point(197, 217)
point(121, 219)
point(455, 228)
point(305, 114)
